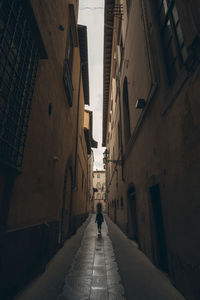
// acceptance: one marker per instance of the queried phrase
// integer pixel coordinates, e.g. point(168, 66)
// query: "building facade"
point(43, 148)
point(151, 129)
point(90, 180)
point(99, 185)
point(91, 143)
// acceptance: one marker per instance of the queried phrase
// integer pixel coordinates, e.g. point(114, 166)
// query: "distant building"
point(100, 194)
point(151, 129)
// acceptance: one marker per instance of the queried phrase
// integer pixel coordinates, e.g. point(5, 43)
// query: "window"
point(98, 185)
point(98, 175)
point(104, 196)
point(19, 58)
point(71, 43)
point(70, 49)
point(172, 37)
point(67, 71)
point(127, 129)
point(98, 196)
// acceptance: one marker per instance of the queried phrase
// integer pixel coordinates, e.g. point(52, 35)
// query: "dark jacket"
point(99, 217)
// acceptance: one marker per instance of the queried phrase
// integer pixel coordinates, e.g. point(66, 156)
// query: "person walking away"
point(99, 220)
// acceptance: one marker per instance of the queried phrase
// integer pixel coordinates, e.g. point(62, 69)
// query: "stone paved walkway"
point(94, 272)
point(86, 268)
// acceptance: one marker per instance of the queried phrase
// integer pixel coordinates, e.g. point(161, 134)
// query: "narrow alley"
point(99, 116)
point(100, 267)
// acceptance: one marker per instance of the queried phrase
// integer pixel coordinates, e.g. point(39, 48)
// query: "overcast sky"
point(91, 14)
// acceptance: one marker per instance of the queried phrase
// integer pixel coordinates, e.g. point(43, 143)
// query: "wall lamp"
point(106, 160)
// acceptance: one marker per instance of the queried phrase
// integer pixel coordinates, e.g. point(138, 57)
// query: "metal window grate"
point(19, 59)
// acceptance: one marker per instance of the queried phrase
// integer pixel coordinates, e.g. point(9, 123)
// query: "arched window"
point(127, 130)
point(98, 196)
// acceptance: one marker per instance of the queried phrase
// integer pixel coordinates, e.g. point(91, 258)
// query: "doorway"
point(157, 229)
point(132, 213)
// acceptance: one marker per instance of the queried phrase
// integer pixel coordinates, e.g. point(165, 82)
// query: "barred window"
point(19, 59)
point(172, 37)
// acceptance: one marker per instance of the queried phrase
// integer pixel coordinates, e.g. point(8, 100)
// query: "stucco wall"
point(163, 149)
point(38, 189)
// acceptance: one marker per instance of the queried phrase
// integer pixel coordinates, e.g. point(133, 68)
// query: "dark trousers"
point(99, 226)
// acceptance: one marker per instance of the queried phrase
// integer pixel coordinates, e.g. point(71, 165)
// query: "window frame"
point(18, 70)
point(169, 18)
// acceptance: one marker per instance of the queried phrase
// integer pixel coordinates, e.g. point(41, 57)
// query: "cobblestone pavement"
point(94, 272)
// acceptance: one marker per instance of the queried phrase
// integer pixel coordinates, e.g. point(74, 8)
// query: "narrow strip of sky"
point(91, 14)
